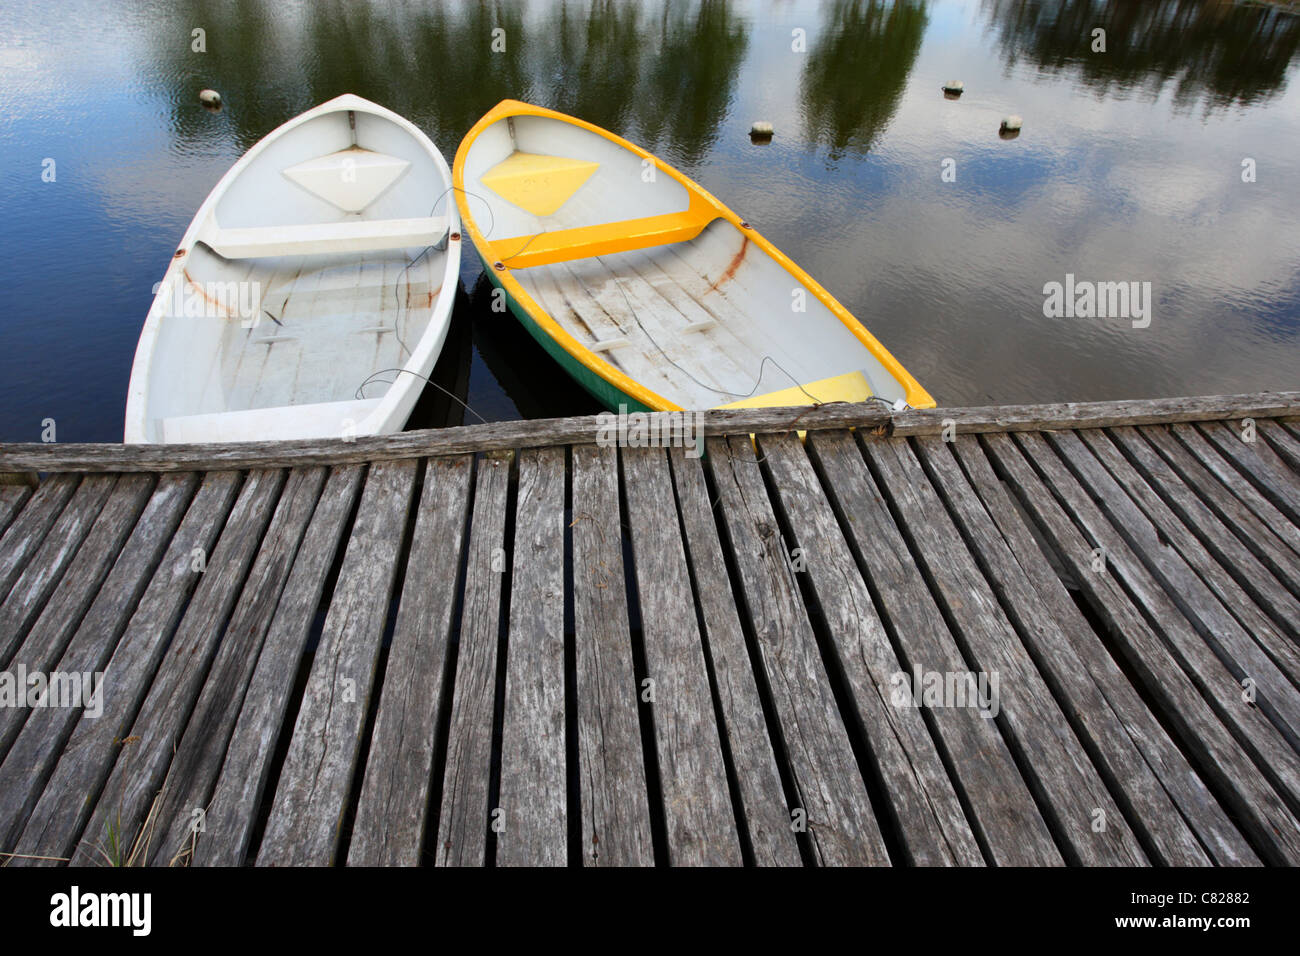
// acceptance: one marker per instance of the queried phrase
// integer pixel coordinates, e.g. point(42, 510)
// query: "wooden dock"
point(507, 644)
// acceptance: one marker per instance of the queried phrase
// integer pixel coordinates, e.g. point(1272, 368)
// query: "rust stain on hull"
point(730, 272)
point(197, 287)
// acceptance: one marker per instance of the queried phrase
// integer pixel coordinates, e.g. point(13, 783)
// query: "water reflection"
point(661, 73)
point(434, 68)
point(857, 70)
point(520, 379)
point(597, 56)
point(1108, 182)
point(442, 402)
point(240, 53)
point(688, 86)
point(1223, 52)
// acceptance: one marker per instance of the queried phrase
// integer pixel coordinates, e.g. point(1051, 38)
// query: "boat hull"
point(312, 293)
point(646, 290)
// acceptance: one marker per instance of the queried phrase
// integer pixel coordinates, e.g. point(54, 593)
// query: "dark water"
point(1129, 168)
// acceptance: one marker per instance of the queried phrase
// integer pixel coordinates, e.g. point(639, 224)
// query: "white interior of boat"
point(616, 190)
point(661, 317)
point(319, 262)
point(704, 322)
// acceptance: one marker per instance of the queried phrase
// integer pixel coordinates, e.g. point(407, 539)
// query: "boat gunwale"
point(914, 394)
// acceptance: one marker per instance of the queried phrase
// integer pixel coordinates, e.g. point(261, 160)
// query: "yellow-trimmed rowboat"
point(644, 287)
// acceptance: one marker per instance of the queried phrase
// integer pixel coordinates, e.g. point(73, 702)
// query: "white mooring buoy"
point(210, 98)
point(761, 131)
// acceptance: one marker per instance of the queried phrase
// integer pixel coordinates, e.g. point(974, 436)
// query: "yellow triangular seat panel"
point(538, 184)
point(850, 387)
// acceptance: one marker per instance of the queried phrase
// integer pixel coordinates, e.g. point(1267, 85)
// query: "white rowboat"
point(311, 294)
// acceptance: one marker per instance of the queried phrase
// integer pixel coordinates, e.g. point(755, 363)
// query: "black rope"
point(370, 379)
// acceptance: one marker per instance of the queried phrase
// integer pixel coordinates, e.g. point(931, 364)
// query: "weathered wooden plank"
point(1056, 637)
point(177, 817)
point(1279, 465)
point(1007, 418)
point(32, 743)
point(305, 824)
point(1248, 563)
point(657, 353)
point(1082, 671)
point(533, 823)
point(496, 436)
point(1260, 464)
point(924, 801)
point(1157, 548)
point(1002, 809)
point(611, 765)
point(1071, 792)
point(57, 817)
point(700, 820)
point(41, 574)
point(1222, 469)
point(1210, 725)
point(12, 499)
point(1249, 580)
point(1284, 444)
point(25, 533)
point(829, 786)
point(1231, 510)
point(76, 589)
point(1218, 673)
point(239, 789)
point(764, 806)
point(392, 812)
point(465, 815)
point(533, 434)
point(126, 802)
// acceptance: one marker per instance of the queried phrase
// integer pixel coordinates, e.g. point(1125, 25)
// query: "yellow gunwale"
point(703, 208)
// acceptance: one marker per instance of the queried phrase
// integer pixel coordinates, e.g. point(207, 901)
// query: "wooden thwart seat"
point(324, 419)
point(563, 245)
point(358, 235)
